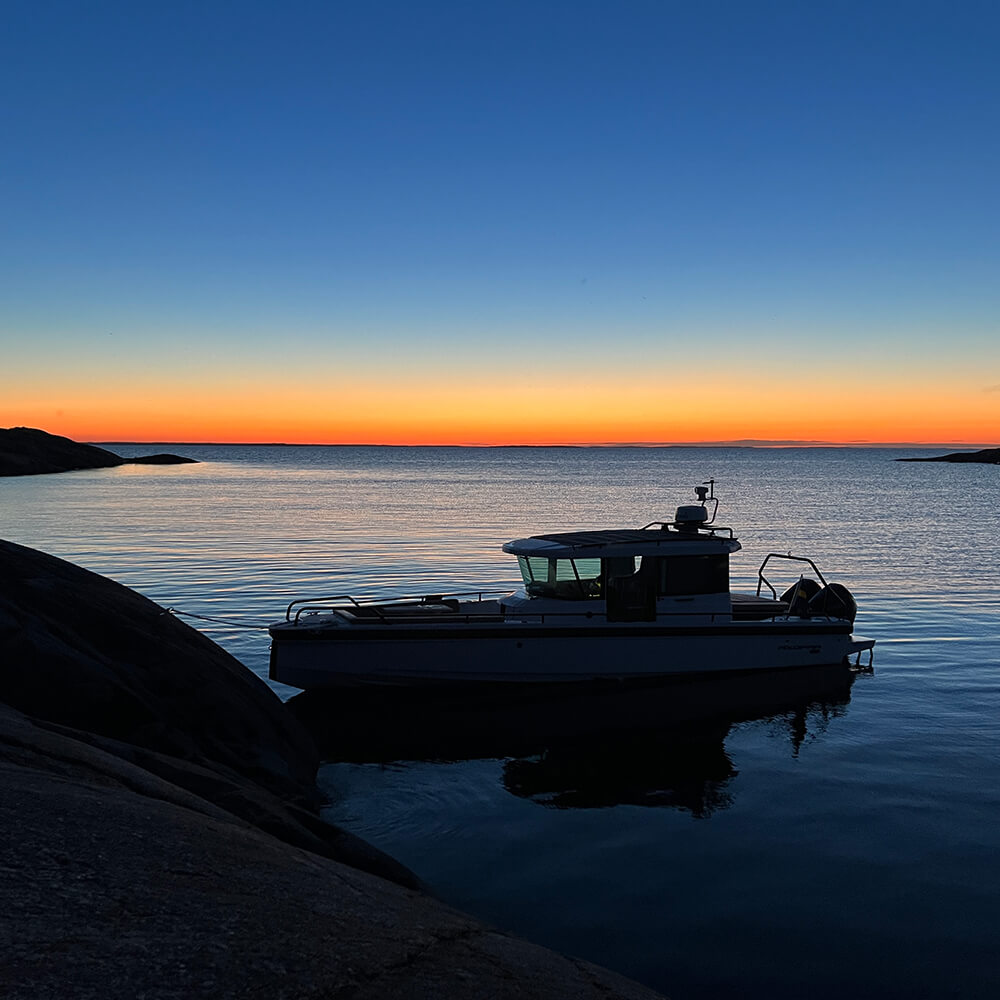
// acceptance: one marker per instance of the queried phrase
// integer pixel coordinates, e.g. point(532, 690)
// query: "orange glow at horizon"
point(542, 410)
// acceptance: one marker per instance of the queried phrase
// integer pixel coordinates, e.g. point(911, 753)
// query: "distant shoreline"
point(748, 445)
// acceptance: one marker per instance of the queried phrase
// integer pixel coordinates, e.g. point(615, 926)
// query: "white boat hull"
point(311, 658)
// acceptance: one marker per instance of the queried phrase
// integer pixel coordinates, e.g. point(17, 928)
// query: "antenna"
point(706, 492)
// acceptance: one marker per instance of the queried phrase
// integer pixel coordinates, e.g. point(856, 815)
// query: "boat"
point(619, 604)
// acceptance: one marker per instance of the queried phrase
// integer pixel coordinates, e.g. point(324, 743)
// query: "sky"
point(462, 223)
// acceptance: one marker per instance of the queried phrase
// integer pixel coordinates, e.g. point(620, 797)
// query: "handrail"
point(328, 603)
point(707, 529)
point(519, 616)
point(324, 600)
point(762, 580)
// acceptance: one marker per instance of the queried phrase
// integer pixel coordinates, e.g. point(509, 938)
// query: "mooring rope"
point(217, 621)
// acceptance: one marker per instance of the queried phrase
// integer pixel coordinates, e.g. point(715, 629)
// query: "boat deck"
point(745, 607)
point(487, 611)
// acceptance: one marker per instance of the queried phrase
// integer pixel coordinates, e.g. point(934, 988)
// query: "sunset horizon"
point(517, 443)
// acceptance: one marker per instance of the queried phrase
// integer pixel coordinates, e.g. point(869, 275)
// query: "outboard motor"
point(798, 596)
point(834, 601)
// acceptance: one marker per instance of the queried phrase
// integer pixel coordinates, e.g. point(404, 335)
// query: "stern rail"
point(762, 580)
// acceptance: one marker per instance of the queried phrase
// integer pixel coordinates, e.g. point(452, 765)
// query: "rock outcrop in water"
point(988, 456)
point(159, 836)
point(26, 451)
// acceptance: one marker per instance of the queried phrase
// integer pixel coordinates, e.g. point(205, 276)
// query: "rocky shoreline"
point(988, 456)
point(27, 451)
point(161, 835)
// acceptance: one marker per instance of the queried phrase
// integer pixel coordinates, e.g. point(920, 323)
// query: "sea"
point(846, 844)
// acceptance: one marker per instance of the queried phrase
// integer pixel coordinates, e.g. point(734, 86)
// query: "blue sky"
point(576, 186)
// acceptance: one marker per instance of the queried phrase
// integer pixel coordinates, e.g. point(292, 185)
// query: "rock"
point(117, 884)
point(291, 822)
point(27, 451)
point(85, 652)
point(89, 657)
point(988, 456)
point(164, 458)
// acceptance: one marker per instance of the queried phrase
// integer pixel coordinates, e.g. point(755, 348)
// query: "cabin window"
point(567, 579)
point(533, 570)
point(681, 575)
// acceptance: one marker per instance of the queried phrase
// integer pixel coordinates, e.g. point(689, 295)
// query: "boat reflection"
point(686, 767)
point(645, 771)
point(609, 744)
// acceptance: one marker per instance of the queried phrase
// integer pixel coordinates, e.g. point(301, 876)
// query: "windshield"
point(567, 579)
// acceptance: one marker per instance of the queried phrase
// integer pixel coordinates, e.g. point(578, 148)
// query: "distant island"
point(27, 451)
point(988, 456)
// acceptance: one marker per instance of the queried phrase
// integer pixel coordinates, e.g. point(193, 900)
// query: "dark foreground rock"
point(27, 451)
point(87, 656)
point(117, 884)
point(83, 651)
point(988, 456)
point(158, 836)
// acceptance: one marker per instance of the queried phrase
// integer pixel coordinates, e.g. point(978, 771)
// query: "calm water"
point(849, 847)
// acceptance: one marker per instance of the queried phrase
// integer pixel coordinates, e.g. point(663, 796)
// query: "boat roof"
point(611, 542)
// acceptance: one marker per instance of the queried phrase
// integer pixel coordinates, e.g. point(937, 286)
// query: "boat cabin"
point(629, 572)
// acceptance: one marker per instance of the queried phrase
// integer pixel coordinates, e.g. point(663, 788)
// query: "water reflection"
point(659, 745)
point(647, 771)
